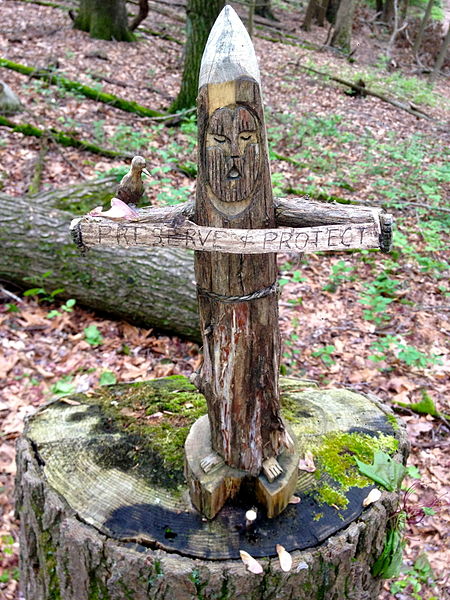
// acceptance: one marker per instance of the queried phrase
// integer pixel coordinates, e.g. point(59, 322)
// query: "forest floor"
point(364, 321)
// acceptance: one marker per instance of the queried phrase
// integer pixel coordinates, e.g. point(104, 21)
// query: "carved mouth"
point(233, 174)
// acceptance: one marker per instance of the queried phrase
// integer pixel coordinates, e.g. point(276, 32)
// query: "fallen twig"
point(417, 112)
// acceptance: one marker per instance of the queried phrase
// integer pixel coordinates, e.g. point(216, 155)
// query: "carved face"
point(232, 153)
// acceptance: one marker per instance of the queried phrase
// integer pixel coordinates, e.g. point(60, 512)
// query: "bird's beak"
point(146, 172)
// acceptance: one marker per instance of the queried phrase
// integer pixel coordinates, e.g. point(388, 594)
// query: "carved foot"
point(271, 469)
point(211, 462)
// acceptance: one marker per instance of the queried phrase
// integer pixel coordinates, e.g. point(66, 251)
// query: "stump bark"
point(105, 512)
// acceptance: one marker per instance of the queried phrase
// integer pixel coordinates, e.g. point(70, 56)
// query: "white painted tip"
point(229, 51)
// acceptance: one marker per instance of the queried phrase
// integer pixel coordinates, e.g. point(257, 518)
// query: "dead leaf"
point(285, 558)
point(373, 496)
point(307, 463)
point(70, 401)
point(252, 564)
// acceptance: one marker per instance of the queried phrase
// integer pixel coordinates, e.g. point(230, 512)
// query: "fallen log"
point(153, 289)
point(61, 138)
point(35, 239)
point(75, 86)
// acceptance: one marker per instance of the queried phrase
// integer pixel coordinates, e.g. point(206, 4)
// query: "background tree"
point(201, 15)
point(107, 19)
point(441, 56)
point(423, 24)
point(263, 8)
point(342, 33)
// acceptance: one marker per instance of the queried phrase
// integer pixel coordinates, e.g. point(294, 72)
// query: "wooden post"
point(237, 292)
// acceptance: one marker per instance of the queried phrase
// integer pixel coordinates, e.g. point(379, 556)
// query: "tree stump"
point(105, 513)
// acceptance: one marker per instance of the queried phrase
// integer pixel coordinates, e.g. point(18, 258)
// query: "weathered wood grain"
point(97, 231)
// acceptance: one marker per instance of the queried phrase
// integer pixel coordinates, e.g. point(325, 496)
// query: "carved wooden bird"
point(131, 188)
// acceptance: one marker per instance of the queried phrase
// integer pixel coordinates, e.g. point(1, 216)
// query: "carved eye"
point(246, 136)
point(221, 139)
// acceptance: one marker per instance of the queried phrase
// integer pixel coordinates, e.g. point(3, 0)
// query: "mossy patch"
point(334, 456)
point(157, 416)
point(49, 554)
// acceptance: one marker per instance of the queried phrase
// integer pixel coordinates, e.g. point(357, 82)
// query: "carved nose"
point(234, 173)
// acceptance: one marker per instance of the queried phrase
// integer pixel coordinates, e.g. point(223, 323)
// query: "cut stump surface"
point(102, 500)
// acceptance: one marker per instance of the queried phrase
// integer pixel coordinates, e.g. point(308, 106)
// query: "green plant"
point(107, 378)
point(377, 295)
point(93, 335)
point(63, 387)
point(325, 354)
point(384, 470)
point(389, 345)
point(39, 292)
point(66, 307)
point(389, 563)
point(340, 272)
point(414, 579)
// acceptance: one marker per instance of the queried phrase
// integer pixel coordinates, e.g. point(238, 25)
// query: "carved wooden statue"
point(234, 228)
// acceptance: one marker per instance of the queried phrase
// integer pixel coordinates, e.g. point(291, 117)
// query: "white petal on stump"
point(373, 496)
point(294, 500)
point(285, 558)
point(307, 463)
point(251, 563)
point(229, 51)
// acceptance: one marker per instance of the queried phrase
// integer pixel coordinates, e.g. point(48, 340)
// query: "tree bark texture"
point(423, 24)
point(263, 8)
point(241, 340)
point(201, 15)
point(441, 57)
point(96, 522)
point(311, 12)
point(342, 34)
point(152, 288)
point(104, 20)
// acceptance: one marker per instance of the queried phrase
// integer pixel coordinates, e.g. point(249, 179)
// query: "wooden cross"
point(236, 229)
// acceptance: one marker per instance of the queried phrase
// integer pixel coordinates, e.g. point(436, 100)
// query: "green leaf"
point(413, 472)
point(428, 511)
point(390, 560)
point(52, 314)
point(107, 378)
point(384, 470)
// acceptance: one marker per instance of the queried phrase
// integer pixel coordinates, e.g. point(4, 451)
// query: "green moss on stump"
point(335, 455)
point(158, 414)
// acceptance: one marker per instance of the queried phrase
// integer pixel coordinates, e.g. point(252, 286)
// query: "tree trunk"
point(332, 9)
point(104, 20)
point(103, 513)
point(155, 289)
point(441, 57)
point(423, 24)
point(388, 12)
point(263, 8)
point(201, 15)
point(322, 10)
point(342, 34)
point(379, 6)
point(311, 12)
